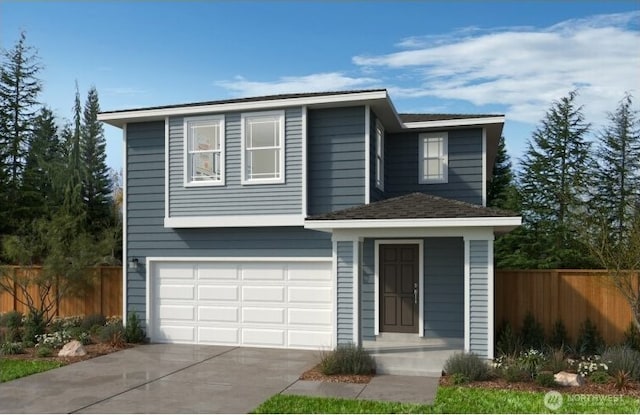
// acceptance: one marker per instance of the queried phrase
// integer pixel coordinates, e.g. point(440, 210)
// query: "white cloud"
point(328, 81)
point(523, 69)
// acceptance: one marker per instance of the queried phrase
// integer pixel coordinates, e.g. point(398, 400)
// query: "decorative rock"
point(568, 379)
point(72, 349)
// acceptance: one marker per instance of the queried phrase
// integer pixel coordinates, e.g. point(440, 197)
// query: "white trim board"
point(125, 235)
point(484, 222)
point(367, 154)
point(356, 292)
point(460, 122)
point(233, 221)
point(376, 279)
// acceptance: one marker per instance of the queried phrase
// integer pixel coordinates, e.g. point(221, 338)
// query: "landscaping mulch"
point(589, 388)
point(93, 350)
point(316, 374)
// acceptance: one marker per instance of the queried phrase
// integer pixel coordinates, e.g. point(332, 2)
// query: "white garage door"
point(253, 303)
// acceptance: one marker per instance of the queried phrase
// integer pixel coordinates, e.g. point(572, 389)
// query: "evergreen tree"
point(554, 181)
point(19, 90)
point(96, 182)
point(72, 180)
point(501, 189)
point(617, 178)
point(40, 195)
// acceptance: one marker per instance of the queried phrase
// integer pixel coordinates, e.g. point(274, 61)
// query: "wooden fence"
point(569, 295)
point(103, 297)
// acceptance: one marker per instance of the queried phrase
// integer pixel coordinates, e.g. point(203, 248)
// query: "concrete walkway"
point(161, 378)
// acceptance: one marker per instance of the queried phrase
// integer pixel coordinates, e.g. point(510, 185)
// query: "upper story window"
point(434, 158)
point(379, 156)
point(263, 147)
point(204, 151)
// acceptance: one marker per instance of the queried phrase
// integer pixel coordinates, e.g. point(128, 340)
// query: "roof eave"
point(499, 223)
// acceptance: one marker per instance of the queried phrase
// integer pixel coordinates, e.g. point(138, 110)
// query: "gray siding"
point(479, 298)
point(147, 236)
point(345, 292)
point(444, 288)
point(336, 159)
point(465, 166)
point(234, 198)
point(367, 291)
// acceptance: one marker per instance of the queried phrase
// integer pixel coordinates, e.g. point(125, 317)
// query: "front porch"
point(407, 355)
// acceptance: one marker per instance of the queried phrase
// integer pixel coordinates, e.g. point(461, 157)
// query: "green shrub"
point(44, 351)
point(55, 340)
point(467, 364)
point(459, 379)
point(11, 319)
point(545, 379)
point(8, 348)
point(508, 342)
point(589, 342)
point(92, 320)
point(347, 359)
point(34, 325)
point(80, 334)
point(133, 331)
point(113, 335)
point(513, 373)
point(532, 333)
point(559, 338)
point(632, 337)
point(622, 358)
point(531, 361)
point(599, 376)
point(556, 361)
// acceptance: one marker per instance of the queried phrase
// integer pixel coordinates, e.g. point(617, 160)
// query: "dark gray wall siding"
point(235, 198)
point(479, 298)
point(335, 159)
point(465, 166)
point(444, 288)
point(345, 291)
point(147, 236)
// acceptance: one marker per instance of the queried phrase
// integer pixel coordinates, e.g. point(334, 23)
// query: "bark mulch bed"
point(589, 388)
point(316, 374)
point(93, 350)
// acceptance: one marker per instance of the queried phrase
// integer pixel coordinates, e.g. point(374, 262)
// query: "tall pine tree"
point(554, 182)
point(19, 90)
point(96, 182)
point(501, 190)
point(617, 177)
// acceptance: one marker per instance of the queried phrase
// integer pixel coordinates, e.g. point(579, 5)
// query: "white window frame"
point(379, 156)
point(245, 117)
point(444, 158)
point(189, 152)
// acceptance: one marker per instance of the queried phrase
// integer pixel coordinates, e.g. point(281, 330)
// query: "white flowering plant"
point(55, 340)
point(590, 364)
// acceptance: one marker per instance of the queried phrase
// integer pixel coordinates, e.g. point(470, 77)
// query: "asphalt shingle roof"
point(415, 206)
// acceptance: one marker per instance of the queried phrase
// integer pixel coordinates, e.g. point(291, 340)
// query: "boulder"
point(568, 379)
point(72, 349)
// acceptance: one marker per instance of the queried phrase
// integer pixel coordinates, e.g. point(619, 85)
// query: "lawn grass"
point(13, 369)
point(455, 400)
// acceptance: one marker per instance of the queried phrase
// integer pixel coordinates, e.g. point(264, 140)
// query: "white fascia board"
point(233, 221)
point(413, 223)
point(461, 122)
point(121, 117)
point(155, 259)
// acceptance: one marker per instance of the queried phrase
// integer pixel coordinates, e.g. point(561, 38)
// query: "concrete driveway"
point(160, 378)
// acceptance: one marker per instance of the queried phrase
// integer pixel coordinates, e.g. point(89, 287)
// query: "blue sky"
point(463, 57)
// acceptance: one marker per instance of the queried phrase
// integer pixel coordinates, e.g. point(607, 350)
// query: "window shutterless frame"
point(263, 147)
point(204, 151)
point(433, 160)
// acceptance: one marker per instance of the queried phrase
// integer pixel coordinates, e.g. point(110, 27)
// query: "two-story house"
point(309, 220)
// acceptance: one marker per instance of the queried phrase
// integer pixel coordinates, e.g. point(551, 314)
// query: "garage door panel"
point(176, 270)
point(217, 271)
point(310, 295)
point(309, 317)
point(218, 292)
point(263, 315)
point(308, 271)
point(263, 271)
point(309, 339)
point(263, 337)
point(219, 335)
point(218, 314)
point(177, 292)
point(178, 334)
point(261, 303)
point(177, 312)
point(263, 294)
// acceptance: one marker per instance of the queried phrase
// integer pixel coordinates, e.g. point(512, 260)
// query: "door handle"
point(415, 293)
